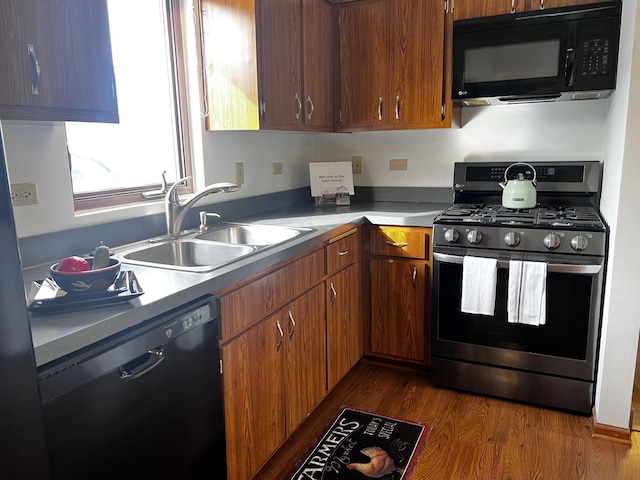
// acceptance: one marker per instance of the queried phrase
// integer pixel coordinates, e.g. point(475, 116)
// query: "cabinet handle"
point(513, 6)
point(415, 275)
point(343, 253)
point(35, 83)
point(541, 4)
point(299, 110)
point(310, 102)
point(399, 245)
point(398, 107)
point(380, 108)
point(280, 336)
point(292, 322)
point(334, 294)
point(453, 5)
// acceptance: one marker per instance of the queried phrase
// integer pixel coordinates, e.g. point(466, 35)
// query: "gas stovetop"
point(565, 219)
point(551, 217)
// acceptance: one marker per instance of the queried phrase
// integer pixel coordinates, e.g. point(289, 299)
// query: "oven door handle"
point(551, 267)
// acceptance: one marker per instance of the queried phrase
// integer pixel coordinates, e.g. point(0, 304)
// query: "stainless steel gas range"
point(551, 360)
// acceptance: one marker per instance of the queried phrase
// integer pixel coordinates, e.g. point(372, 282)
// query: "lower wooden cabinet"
point(305, 350)
point(273, 376)
point(398, 314)
point(254, 408)
point(344, 323)
point(400, 282)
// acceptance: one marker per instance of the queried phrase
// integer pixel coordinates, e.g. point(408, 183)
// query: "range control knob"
point(512, 239)
point(551, 241)
point(474, 237)
point(579, 243)
point(451, 235)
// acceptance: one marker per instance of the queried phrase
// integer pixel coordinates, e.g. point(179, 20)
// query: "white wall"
point(36, 152)
point(621, 319)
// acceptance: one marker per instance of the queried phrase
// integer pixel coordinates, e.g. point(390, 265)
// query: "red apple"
point(73, 264)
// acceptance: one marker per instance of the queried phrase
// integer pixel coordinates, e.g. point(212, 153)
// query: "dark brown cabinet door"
point(86, 49)
point(317, 58)
point(30, 55)
point(398, 320)
point(463, 9)
point(344, 323)
point(254, 410)
point(364, 64)
point(392, 65)
point(55, 61)
point(296, 64)
point(416, 63)
point(281, 55)
point(303, 322)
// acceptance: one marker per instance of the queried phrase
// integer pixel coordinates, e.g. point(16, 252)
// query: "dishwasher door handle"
point(141, 365)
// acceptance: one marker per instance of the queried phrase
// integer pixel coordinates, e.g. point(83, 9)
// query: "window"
point(113, 164)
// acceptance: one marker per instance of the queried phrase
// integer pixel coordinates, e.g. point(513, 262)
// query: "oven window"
point(563, 335)
point(515, 61)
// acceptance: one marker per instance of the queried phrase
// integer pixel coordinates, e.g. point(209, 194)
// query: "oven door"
point(565, 345)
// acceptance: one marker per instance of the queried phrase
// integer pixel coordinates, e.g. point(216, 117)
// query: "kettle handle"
point(521, 163)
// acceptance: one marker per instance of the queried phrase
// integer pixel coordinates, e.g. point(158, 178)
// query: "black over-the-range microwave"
point(568, 53)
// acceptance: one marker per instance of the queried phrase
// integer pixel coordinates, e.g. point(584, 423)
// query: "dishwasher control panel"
point(188, 320)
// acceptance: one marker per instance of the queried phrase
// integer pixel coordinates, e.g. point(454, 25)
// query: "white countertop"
point(60, 334)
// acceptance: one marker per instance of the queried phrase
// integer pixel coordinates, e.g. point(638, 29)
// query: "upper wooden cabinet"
point(393, 73)
point(296, 64)
point(228, 29)
point(268, 64)
point(55, 61)
point(463, 9)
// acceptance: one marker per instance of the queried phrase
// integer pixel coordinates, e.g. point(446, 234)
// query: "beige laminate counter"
point(59, 335)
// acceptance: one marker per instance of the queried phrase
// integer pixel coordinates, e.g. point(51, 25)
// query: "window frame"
point(101, 199)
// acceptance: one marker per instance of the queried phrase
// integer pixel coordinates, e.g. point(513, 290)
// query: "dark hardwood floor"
point(473, 437)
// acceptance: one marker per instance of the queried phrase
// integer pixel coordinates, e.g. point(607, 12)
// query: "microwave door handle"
point(568, 67)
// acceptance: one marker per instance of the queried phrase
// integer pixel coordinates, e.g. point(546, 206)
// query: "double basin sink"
point(211, 249)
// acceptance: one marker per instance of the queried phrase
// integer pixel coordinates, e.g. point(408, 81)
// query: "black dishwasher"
point(147, 404)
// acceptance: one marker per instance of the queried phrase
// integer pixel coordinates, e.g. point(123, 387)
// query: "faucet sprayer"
point(176, 211)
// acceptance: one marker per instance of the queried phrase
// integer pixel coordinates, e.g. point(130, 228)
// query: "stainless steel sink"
point(186, 254)
point(203, 252)
point(251, 234)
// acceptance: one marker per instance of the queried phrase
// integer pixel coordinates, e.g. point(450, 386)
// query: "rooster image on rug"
point(380, 464)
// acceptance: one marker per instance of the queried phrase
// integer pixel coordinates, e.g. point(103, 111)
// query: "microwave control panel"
point(595, 57)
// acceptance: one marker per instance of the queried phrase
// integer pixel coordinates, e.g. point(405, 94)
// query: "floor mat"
point(358, 445)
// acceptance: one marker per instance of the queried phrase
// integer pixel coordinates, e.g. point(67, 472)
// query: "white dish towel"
point(527, 295)
point(479, 285)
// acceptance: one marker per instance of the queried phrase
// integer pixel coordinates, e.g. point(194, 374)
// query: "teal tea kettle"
point(519, 192)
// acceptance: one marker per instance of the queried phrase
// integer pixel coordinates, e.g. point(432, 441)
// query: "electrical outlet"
point(398, 164)
point(277, 168)
point(356, 164)
point(239, 173)
point(24, 194)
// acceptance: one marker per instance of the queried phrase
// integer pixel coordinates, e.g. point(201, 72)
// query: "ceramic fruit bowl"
point(84, 281)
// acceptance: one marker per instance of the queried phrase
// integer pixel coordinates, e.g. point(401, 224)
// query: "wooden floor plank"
point(472, 437)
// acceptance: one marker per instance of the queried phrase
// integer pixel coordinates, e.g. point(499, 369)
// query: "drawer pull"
point(343, 253)
point(280, 336)
point(396, 244)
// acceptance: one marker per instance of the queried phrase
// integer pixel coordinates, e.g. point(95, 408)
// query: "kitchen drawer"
point(246, 306)
point(342, 251)
point(408, 242)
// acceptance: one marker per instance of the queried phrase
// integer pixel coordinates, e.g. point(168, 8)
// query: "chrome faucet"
point(176, 211)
